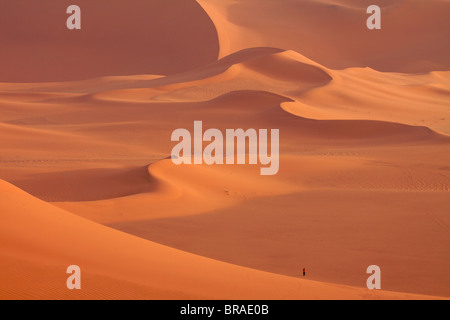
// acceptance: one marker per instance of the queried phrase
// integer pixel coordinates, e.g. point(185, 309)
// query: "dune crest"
point(36, 236)
point(85, 132)
point(343, 41)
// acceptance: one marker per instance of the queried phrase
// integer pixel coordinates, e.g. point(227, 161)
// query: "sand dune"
point(419, 100)
point(41, 241)
point(85, 174)
point(329, 33)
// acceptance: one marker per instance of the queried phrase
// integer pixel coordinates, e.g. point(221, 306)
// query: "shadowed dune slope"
point(116, 38)
point(86, 119)
point(413, 37)
point(39, 241)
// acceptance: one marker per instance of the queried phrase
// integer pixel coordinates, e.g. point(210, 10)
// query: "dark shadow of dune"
point(413, 37)
point(88, 184)
point(116, 38)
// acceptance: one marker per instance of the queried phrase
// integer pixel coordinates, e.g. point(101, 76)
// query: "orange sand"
point(364, 120)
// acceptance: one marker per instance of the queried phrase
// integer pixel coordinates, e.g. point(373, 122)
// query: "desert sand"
point(86, 179)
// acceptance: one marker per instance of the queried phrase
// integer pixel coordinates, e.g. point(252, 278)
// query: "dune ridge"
point(136, 267)
point(85, 173)
point(155, 37)
point(343, 41)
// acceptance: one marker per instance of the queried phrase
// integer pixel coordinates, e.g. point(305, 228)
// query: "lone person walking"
point(304, 271)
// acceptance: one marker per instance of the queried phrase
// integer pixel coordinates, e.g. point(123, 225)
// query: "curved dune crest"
point(219, 182)
point(173, 191)
point(268, 69)
point(47, 238)
point(340, 37)
point(364, 149)
point(285, 67)
point(88, 184)
point(355, 93)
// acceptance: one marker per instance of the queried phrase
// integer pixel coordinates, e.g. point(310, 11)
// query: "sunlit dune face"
point(136, 149)
point(143, 37)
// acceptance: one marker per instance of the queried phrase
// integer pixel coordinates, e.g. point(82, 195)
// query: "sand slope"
point(39, 241)
point(334, 32)
point(154, 37)
point(364, 150)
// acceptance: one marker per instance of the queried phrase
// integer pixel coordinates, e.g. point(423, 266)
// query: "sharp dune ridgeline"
point(85, 141)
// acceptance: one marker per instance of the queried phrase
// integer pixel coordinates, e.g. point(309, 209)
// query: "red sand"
point(85, 129)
